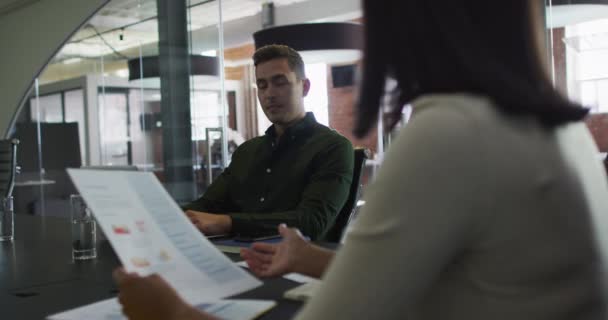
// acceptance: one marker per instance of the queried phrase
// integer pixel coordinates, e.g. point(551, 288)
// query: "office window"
point(594, 94)
point(74, 112)
point(587, 63)
point(578, 52)
point(317, 101)
point(47, 108)
point(145, 126)
point(114, 124)
point(204, 112)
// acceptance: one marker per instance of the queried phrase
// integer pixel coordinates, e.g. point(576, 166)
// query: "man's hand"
point(210, 224)
point(151, 298)
point(273, 260)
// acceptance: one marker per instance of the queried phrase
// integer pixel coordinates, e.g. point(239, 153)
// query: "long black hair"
point(470, 46)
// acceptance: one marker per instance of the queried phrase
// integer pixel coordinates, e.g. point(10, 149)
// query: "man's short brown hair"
point(278, 51)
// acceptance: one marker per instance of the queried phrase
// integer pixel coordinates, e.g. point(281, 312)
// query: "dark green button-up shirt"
point(303, 180)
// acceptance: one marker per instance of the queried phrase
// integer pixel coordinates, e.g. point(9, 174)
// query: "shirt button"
point(268, 170)
point(262, 199)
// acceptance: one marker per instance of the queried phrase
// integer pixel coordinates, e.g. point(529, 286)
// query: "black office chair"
point(334, 234)
point(8, 166)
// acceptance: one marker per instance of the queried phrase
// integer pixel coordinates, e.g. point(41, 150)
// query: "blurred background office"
point(168, 85)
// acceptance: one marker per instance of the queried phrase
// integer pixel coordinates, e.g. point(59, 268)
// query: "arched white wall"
point(31, 32)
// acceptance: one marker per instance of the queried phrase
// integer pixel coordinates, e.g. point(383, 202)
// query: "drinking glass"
point(83, 230)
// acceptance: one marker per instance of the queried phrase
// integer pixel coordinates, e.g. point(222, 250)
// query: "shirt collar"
point(300, 128)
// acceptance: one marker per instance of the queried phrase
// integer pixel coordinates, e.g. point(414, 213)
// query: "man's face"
point(280, 91)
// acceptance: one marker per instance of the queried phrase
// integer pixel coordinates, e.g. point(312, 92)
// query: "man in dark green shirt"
point(298, 173)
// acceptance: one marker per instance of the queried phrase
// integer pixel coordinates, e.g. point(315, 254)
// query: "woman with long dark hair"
point(484, 206)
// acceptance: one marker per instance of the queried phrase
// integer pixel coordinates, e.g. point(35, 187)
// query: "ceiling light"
point(328, 42)
point(123, 73)
point(72, 60)
point(209, 53)
point(199, 65)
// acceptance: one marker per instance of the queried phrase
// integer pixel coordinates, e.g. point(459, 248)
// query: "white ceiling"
point(135, 21)
point(89, 51)
point(561, 16)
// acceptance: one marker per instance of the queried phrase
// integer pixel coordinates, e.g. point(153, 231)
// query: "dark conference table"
point(38, 276)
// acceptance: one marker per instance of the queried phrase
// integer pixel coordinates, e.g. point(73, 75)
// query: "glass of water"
point(7, 215)
point(83, 230)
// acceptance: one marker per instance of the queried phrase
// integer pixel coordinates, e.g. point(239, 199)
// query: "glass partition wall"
point(184, 131)
point(89, 109)
point(136, 87)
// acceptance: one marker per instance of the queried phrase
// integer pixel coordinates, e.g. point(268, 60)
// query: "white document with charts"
point(151, 234)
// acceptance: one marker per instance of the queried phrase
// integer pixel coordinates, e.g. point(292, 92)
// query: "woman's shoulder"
point(476, 116)
point(470, 125)
point(456, 106)
point(455, 117)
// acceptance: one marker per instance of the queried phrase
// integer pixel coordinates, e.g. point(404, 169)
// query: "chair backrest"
point(8, 166)
point(334, 234)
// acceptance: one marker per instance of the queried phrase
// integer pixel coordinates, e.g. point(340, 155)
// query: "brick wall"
point(559, 60)
point(598, 125)
point(244, 52)
point(342, 111)
point(342, 114)
point(234, 73)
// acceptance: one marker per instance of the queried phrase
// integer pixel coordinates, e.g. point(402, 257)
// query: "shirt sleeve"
point(321, 200)
point(419, 214)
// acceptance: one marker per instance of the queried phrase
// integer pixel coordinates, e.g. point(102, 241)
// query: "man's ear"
point(305, 86)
